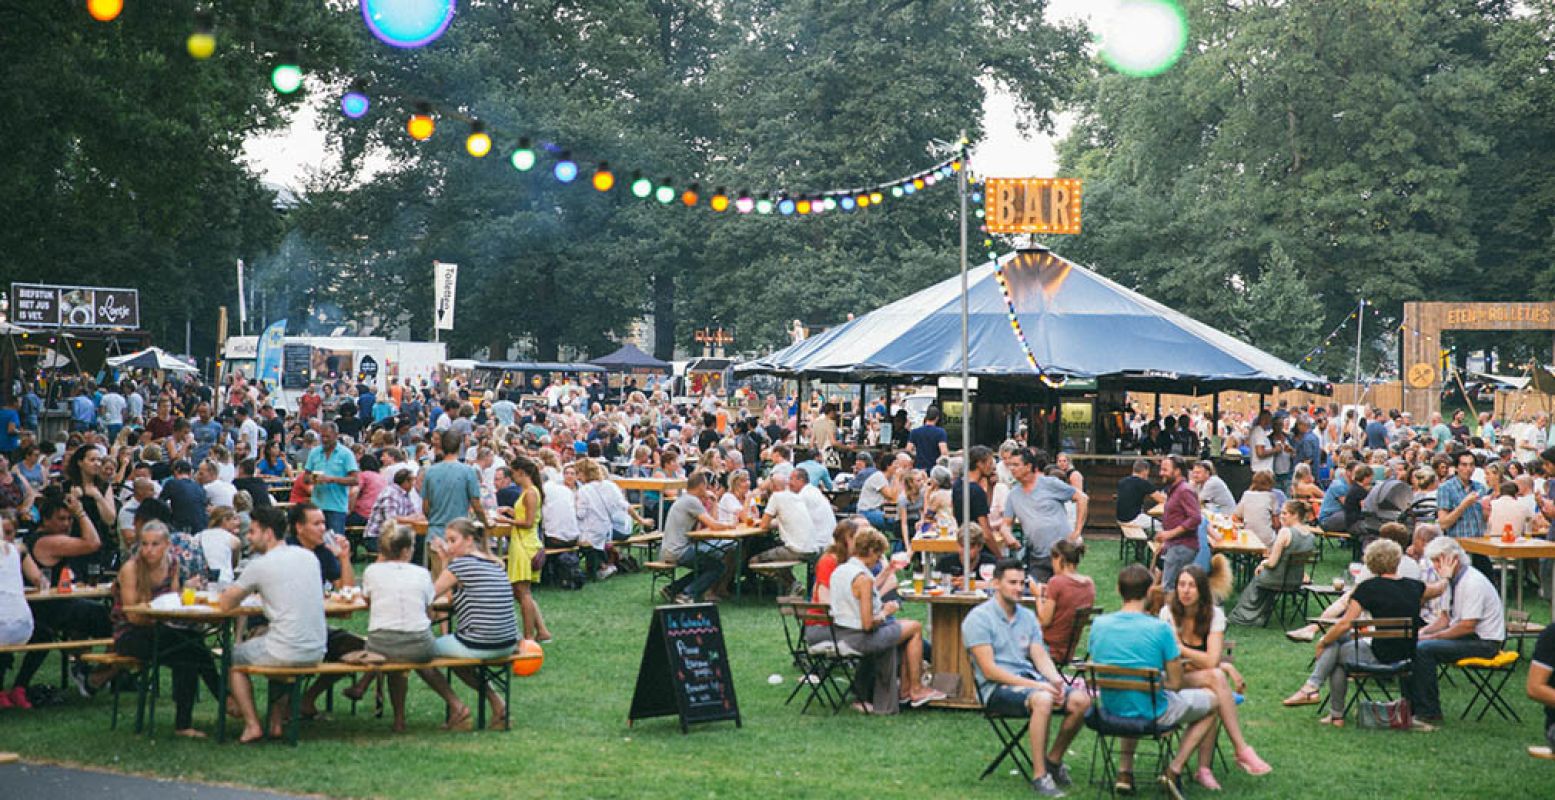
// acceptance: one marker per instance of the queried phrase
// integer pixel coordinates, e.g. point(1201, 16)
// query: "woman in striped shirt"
point(485, 625)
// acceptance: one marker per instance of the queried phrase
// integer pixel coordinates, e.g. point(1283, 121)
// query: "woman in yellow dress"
point(525, 544)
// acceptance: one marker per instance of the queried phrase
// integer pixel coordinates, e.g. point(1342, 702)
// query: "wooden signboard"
point(685, 669)
point(1032, 205)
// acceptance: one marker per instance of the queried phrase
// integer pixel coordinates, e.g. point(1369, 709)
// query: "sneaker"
point(82, 680)
point(1418, 725)
point(1060, 774)
point(667, 594)
point(1204, 777)
point(1303, 634)
point(684, 600)
point(1171, 785)
point(1124, 783)
point(605, 572)
point(1046, 787)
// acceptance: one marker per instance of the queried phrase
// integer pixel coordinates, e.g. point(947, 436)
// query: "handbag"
point(1392, 715)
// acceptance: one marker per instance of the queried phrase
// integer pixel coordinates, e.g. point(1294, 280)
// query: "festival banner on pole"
point(267, 362)
point(445, 280)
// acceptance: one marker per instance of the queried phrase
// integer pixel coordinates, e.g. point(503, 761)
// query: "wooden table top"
point(79, 593)
point(1245, 543)
point(1522, 548)
point(740, 532)
point(650, 484)
point(206, 612)
point(948, 544)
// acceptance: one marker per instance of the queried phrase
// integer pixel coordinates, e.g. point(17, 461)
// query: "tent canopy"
point(1077, 323)
point(151, 358)
point(631, 359)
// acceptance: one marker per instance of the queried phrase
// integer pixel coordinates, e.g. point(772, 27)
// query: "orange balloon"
point(529, 666)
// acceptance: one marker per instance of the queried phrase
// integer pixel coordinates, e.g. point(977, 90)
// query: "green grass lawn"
point(570, 737)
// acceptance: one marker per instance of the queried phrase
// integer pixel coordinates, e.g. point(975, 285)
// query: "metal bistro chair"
point(1012, 737)
point(1488, 676)
point(1082, 622)
point(1378, 674)
point(1109, 727)
point(1288, 596)
point(829, 666)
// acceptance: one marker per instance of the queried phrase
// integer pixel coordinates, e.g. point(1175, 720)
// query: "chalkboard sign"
point(685, 669)
point(296, 366)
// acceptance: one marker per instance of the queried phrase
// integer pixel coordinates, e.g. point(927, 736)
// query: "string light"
point(641, 187)
point(104, 10)
point(354, 103)
point(746, 203)
point(764, 205)
point(420, 125)
point(848, 203)
point(720, 201)
point(604, 179)
point(665, 194)
point(689, 197)
point(785, 207)
point(287, 76)
point(863, 201)
point(524, 157)
point(876, 198)
point(201, 43)
point(566, 170)
point(478, 143)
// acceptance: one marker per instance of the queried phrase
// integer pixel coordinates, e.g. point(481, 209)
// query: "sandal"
point(1331, 719)
point(1302, 697)
point(1124, 784)
point(458, 719)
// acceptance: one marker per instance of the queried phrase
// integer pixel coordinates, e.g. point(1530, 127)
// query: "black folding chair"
point(1109, 727)
point(1012, 737)
point(1289, 596)
point(828, 666)
point(1376, 675)
point(1488, 676)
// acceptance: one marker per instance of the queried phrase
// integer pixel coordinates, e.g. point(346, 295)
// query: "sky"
point(287, 157)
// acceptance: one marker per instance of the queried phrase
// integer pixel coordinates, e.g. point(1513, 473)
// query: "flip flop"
point(458, 719)
point(934, 694)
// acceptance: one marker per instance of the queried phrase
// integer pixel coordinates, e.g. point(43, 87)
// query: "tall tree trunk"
point(664, 313)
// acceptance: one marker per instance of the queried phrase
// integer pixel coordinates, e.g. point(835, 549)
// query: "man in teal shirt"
point(1440, 432)
point(1131, 638)
point(449, 490)
point(334, 469)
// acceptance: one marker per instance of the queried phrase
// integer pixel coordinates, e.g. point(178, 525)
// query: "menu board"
point(685, 669)
point(296, 365)
point(74, 306)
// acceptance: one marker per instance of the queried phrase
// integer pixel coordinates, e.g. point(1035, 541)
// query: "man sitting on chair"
point(1131, 638)
point(1015, 675)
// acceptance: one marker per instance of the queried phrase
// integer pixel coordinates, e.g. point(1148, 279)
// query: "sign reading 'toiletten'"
point(1032, 205)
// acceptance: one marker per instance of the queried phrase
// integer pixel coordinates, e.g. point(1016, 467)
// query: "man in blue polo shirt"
point(1016, 677)
point(1131, 638)
point(334, 470)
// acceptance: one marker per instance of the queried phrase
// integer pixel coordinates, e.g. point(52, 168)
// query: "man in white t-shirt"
point(796, 529)
point(287, 579)
point(250, 431)
point(559, 514)
point(823, 518)
point(217, 491)
point(110, 412)
point(1473, 628)
point(1260, 445)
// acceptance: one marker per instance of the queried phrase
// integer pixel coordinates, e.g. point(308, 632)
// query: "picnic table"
point(740, 535)
point(946, 613)
point(1514, 552)
point(660, 485)
point(100, 592)
point(1245, 551)
point(223, 622)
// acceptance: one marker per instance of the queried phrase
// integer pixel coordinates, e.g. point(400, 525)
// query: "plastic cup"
point(186, 597)
point(917, 583)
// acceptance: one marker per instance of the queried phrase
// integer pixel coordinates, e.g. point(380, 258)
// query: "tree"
point(1280, 311)
point(123, 154)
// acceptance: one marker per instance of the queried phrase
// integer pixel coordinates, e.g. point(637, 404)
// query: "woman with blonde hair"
point(398, 594)
point(486, 626)
point(864, 623)
point(219, 543)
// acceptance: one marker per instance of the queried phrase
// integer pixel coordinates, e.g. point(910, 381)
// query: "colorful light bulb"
point(746, 204)
point(524, 157)
point(641, 187)
point(665, 194)
point(764, 206)
point(566, 170)
point(421, 125)
point(604, 179)
point(876, 198)
point(478, 143)
point(785, 207)
point(720, 201)
point(689, 197)
point(286, 77)
point(104, 10)
point(354, 104)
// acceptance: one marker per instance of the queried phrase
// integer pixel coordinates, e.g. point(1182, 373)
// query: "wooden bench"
point(1134, 544)
point(65, 644)
point(129, 664)
point(646, 542)
point(355, 534)
point(772, 570)
point(657, 571)
point(1339, 538)
point(489, 671)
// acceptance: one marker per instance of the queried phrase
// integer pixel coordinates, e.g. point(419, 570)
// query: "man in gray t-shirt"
point(289, 582)
point(705, 559)
point(1038, 500)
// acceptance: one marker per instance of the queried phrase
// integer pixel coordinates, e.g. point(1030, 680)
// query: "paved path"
point(44, 782)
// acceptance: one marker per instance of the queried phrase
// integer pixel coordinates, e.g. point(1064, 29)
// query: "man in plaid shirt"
point(394, 503)
point(1458, 509)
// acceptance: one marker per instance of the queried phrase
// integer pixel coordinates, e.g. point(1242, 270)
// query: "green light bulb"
point(286, 78)
point(642, 187)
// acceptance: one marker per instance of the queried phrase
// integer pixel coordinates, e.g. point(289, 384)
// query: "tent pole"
point(966, 405)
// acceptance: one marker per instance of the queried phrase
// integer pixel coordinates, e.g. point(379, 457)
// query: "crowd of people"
point(160, 486)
